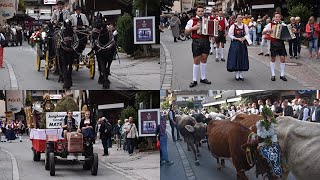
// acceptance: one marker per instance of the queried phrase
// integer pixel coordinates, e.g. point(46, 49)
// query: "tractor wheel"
point(36, 156)
point(52, 164)
point(94, 167)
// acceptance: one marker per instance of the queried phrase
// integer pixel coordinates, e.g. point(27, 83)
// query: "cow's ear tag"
point(190, 128)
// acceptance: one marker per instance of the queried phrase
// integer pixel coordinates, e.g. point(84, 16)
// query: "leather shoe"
point(283, 78)
point(217, 60)
point(237, 79)
point(241, 79)
point(273, 78)
point(260, 54)
point(223, 60)
point(193, 84)
point(205, 81)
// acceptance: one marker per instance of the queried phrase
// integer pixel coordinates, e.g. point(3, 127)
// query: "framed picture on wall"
point(148, 120)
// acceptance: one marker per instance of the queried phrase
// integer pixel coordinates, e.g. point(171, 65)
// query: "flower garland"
point(266, 127)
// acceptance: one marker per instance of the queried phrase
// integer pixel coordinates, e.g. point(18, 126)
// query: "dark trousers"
point(293, 47)
point(172, 130)
point(130, 145)
point(110, 142)
point(259, 38)
point(298, 40)
point(105, 145)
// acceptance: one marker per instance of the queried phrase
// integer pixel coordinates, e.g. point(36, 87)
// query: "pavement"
point(301, 74)
point(184, 167)
point(20, 73)
point(16, 163)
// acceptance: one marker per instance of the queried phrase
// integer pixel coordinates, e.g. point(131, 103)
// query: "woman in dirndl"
point(238, 60)
point(10, 135)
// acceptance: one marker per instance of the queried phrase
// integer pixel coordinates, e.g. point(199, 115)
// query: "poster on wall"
point(149, 119)
point(14, 101)
point(55, 120)
point(144, 30)
point(7, 9)
point(186, 5)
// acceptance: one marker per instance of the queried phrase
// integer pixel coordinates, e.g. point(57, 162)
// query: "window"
point(185, 98)
point(195, 98)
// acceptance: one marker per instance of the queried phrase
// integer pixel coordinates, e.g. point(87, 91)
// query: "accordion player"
point(283, 32)
point(208, 27)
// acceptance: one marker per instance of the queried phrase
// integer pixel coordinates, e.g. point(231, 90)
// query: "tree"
point(125, 33)
point(21, 6)
point(129, 112)
point(302, 11)
point(165, 105)
point(190, 105)
point(66, 104)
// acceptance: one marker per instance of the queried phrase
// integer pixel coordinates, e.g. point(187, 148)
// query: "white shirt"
point(232, 113)
point(268, 27)
point(231, 30)
point(2, 37)
point(253, 28)
point(190, 23)
point(313, 118)
point(225, 21)
point(305, 114)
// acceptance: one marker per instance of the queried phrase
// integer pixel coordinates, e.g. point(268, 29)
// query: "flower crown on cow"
point(266, 127)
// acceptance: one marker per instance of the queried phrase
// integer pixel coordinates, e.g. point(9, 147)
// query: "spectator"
point(265, 41)
point(246, 20)
point(131, 134)
point(259, 31)
point(105, 134)
point(253, 31)
point(117, 134)
point(277, 109)
point(298, 35)
point(293, 48)
point(304, 114)
point(315, 113)
point(287, 110)
point(175, 27)
point(268, 103)
point(296, 105)
point(260, 104)
point(123, 134)
point(232, 111)
point(254, 109)
point(2, 40)
point(312, 34)
point(162, 135)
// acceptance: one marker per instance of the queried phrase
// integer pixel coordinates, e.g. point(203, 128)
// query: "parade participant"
point(238, 60)
point(315, 113)
point(17, 129)
point(293, 48)
point(276, 48)
point(86, 126)
point(10, 135)
point(200, 47)
point(214, 14)
point(78, 19)
point(60, 14)
point(265, 41)
point(173, 123)
point(69, 124)
point(313, 30)
point(222, 33)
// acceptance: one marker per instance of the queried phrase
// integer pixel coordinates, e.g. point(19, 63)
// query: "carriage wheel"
point(47, 67)
point(92, 66)
point(38, 63)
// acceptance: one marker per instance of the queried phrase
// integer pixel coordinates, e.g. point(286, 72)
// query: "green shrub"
point(125, 34)
point(129, 112)
point(65, 104)
point(302, 11)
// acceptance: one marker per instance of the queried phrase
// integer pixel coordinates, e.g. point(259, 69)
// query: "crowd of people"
point(243, 30)
point(11, 130)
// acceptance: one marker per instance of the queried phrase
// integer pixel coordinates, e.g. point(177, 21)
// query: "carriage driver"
point(79, 19)
point(60, 14)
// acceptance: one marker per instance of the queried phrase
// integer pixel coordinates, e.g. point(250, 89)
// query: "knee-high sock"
point(272, 66)
point(217, 52)
point(203, 70)
point(221, 51)
point(195, 72)
point(20, 137)
point(237, 74)
point(240, 74)
point(282, 68)
point(211, 47)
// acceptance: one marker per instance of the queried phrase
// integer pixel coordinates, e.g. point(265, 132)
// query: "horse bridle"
point(99, 44)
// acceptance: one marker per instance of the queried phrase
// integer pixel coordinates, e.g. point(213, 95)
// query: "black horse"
point(67, 54)
point(104, 48)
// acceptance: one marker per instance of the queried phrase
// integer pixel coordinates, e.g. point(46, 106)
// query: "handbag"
point(158, 145)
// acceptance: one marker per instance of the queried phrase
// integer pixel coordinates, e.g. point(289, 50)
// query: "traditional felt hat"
point(77, 8)
point(60, 2)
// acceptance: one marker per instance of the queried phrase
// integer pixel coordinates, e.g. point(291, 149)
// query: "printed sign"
point(144, 30)
point(149, 119)
point(55, 120)
point(50, 1)
point(186, 5)
point(7, 9)
point(14, 100)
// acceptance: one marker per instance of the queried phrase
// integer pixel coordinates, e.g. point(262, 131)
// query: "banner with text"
point(56, 119)
point(7, 9)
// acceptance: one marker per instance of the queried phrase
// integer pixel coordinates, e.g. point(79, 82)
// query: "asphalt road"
point(23, 62)
point(207, 168)
point(30, 170)
point(258, 76)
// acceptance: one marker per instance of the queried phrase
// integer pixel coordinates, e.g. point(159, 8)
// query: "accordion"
point(208, 27)
point(282, 32)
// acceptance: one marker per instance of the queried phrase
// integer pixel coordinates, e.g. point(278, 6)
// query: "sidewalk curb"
point(186, 164)
point(305, 84)
point(167, 79)
point(15, 169)
point(12, 75)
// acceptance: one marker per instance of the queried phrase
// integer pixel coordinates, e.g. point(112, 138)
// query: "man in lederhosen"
point(277, 48)
point(222, 33)
point(80, 22)
point(200, 47)
point(214, 14)
point(60, 14)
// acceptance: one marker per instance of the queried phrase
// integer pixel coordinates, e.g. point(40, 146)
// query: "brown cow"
point(228, 139)
point(247, 120)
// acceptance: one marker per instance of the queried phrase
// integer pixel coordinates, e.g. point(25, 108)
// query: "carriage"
point(44, 52)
